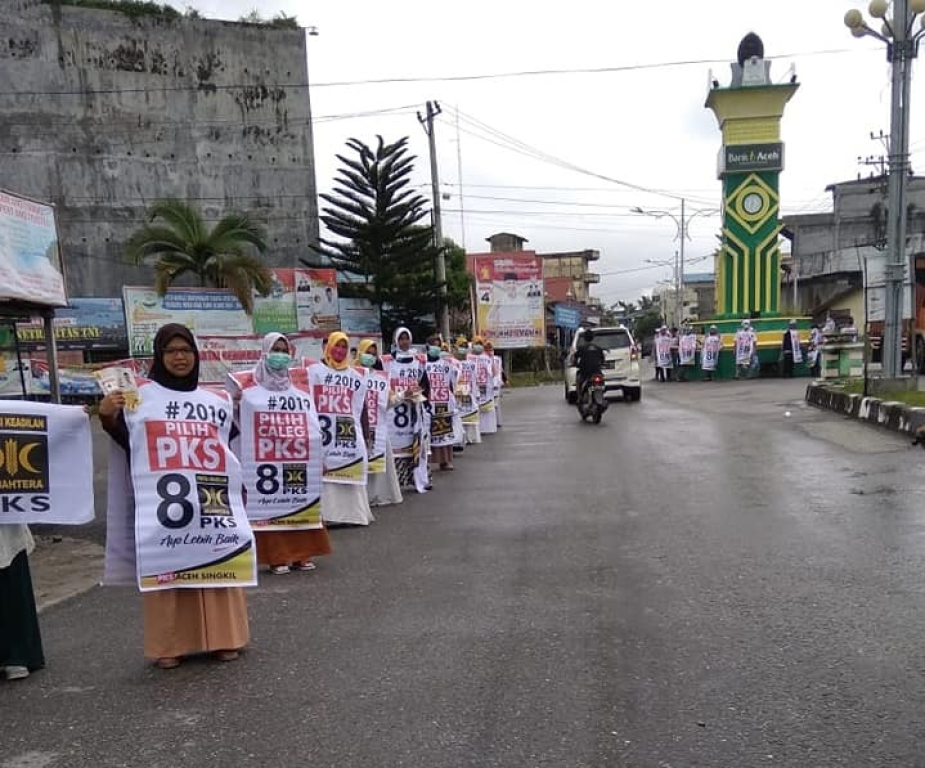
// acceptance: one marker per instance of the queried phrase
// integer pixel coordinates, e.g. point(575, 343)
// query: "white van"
point(621, 363)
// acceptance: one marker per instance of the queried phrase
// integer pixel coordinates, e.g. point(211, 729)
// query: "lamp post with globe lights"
point(682, 224)
point(902, 43)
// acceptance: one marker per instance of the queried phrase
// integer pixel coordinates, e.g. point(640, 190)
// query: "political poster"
point(509, 293)
point(316, 299)
point(46, 464)
point(191, 528)
point(205, 311)
point(30, 262)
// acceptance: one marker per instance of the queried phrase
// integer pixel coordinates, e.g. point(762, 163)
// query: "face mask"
point(367, 360)
point(339, 354)
point(433, 353)
point(478, 349)
point(462, 353)
point(279, 361)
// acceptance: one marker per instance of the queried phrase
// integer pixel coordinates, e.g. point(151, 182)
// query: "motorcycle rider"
point(589, 360)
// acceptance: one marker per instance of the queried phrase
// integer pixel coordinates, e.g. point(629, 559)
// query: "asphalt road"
point(698, 581)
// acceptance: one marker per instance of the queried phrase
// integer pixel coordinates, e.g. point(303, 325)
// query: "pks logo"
point(23, 463)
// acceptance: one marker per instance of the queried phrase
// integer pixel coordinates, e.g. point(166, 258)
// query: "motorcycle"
point(592, 402)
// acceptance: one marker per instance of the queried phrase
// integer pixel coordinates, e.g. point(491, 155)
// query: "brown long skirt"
point(179, 622)
point(288, 547)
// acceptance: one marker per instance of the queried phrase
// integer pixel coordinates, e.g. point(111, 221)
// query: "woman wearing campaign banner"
point(20, 641)
point(339, 393)
point(190, 548)
point(410, 441)
point(279, 445)
point(383, 487)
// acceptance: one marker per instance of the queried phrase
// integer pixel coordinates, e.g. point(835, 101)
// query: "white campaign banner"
point(339, 397)
point(377, 407)
point(281, 456)
point(46, 464)
point(191, 529)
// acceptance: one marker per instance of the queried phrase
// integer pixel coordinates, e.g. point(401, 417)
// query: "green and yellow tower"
point(749, 112)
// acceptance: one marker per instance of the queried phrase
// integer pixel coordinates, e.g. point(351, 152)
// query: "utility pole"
point(901, 51)
point(443, 310)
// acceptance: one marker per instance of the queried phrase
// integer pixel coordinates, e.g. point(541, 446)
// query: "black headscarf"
point(159, 372)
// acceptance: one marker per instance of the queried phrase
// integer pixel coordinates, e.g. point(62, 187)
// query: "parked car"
point(621, 363)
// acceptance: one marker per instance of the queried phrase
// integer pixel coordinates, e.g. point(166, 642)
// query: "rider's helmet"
point(588, 336)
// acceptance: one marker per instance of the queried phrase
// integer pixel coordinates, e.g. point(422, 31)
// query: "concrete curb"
point(893, 415)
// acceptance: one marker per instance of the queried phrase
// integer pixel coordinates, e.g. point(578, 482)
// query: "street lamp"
point(681, 235)
point(902, 46)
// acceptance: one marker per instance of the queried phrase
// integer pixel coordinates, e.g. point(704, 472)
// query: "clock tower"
point(749, 112)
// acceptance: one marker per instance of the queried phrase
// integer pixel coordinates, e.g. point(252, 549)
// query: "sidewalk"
point(64, 567)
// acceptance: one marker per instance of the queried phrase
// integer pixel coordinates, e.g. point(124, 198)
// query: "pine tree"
point(374, 214)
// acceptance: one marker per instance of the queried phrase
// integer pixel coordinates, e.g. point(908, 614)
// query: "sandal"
point(167, 662)
point(226, 655)
point(279, 569)
point(304, 565)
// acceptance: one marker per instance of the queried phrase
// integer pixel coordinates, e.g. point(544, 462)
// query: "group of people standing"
point(676, 351)
point(279, 454)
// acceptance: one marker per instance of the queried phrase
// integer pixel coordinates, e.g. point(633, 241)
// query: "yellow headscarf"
point(333, 340)
point(364, 346)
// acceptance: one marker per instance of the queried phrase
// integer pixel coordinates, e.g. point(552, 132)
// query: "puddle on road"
point(855, 436)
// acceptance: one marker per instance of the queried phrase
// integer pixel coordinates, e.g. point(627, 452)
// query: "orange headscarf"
point(333, 340)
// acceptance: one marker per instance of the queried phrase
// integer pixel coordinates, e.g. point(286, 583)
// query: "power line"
point(510, 143)
point(208, 88)
point(575, 71)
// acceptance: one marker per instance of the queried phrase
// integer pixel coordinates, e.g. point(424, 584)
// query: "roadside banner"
point(205, 311)
point(85, 324)
point(46, 464)
point(221, 355)
point(30, 262)
point(509, 291)
point(276, 312)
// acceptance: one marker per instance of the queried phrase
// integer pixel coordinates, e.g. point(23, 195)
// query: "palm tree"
point(178, 241)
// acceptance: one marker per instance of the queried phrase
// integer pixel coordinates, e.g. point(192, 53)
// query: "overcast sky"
point(645, 125)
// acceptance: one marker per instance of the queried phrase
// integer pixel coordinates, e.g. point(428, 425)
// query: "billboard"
point(205, 311)
point(85, 324)
point(300, 300)
point(509, 298)
point(30, 262)
point(359, 316)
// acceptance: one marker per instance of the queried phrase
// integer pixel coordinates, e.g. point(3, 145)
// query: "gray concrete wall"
point(101, 114)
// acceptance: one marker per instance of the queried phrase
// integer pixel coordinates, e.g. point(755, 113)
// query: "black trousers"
point(788, 365)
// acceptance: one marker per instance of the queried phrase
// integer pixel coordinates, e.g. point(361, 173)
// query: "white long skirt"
point(488, 422)
point(383, 488)
point(348, 504)
point(473, 433)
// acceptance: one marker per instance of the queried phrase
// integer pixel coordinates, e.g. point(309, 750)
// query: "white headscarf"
point(399, 355)
point(268, 378)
